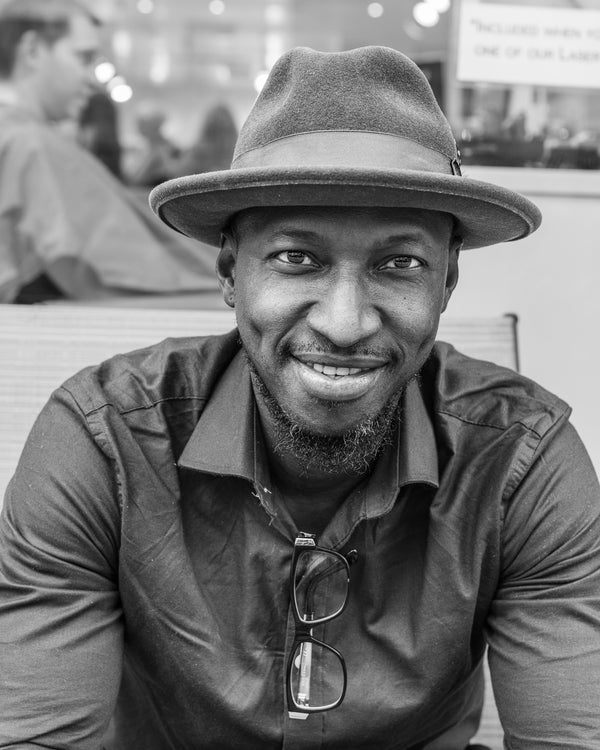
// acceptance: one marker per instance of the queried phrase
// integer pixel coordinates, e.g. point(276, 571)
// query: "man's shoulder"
point(174, 370)
point(27, 143)
point(478, 392)
point(20, 129)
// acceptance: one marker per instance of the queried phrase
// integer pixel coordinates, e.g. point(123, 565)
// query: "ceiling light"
point(425, 15)
point(121, 93)
point(104, 71)
point(119, 89)
point(145, 6)
point(216, 7)
point(375, 10)
point(440, 5)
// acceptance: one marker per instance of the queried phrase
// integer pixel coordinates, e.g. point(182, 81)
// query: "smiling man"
point(305, 533)
point(329, 347)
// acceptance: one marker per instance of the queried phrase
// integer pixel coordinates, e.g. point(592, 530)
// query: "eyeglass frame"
point(302, 634)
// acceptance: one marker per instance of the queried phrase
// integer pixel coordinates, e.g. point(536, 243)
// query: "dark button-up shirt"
point(145, 561)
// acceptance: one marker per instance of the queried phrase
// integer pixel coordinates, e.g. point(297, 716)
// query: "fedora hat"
point(357, 128)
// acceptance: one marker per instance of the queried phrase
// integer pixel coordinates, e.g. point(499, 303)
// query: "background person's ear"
point(29, 48)
point(226, 269)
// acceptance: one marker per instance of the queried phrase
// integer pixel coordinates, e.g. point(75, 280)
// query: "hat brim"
point(200, 205)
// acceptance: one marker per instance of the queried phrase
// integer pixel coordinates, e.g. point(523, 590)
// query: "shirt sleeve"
point(60, 616)
point(544, 626)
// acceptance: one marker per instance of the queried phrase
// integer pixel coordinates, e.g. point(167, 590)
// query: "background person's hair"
point(49, 18)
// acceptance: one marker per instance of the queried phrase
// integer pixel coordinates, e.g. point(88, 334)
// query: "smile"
point(336, 382)
point(336, 372)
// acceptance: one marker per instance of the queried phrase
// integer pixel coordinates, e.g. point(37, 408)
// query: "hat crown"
point(374, 90)
point(356, 128)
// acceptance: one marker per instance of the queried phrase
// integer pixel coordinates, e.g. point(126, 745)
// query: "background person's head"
point(150, 122)
point(48, 49)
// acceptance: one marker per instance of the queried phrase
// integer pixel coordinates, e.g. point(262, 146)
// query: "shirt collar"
point(417, 447)
point(223, 441)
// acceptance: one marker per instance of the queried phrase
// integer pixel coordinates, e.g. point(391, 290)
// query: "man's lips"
point(335, 378)
point(351, 362)
point(335, 372)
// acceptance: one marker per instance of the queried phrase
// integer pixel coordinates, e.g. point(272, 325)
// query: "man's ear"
point(452, 274)
point(226, 269)
point(29, 50)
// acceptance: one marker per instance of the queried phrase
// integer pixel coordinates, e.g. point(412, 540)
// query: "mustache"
point(320, 347)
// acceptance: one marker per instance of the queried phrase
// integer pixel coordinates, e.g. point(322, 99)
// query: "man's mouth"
point(335, 372)
point(327, 379)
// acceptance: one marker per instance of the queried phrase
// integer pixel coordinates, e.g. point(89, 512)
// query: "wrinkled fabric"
point(63, 213)
point(145, 560)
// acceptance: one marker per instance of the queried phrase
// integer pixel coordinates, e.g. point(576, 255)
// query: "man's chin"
point(349, 449)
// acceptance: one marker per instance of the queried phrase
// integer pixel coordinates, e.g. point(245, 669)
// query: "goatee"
point(352, 452)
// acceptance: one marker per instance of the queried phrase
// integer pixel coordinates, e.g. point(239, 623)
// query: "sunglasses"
point(319, 587)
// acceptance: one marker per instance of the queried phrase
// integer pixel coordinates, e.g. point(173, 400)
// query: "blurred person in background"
point(214, 146)
point(157, 160)
point(68, 228)
point(98, 132)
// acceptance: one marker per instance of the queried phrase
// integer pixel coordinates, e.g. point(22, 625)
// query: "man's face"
point(338, 308)
point(65, 70)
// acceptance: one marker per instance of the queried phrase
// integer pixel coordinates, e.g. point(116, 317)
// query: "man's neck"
point(15, 94)
point(311, 497)
point(8, 94)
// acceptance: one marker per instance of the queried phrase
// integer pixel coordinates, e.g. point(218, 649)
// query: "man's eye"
point(295, 257)
point(402, 262)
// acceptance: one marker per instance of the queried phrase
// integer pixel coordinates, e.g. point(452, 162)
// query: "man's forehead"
point(254, 220)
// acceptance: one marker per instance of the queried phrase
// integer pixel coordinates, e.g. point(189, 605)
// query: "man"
point(68, 228)
point(304, 533)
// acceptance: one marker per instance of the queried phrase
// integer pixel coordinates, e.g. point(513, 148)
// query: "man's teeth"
point(335, 372)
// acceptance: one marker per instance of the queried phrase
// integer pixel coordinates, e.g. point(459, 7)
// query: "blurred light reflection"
point(375, 10)
point(216, 7)
point(425, 14)
point(145, 6)
point(104, 71)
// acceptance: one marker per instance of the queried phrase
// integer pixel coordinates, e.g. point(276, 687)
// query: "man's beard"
point(352, 452)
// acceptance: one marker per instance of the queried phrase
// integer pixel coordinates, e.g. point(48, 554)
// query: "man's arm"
point(544, 628)
point(60, 617)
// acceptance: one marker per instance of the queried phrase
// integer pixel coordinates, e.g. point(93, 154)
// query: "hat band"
point(347, 149)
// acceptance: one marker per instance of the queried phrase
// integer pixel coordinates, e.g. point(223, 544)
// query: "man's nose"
point(345, 314)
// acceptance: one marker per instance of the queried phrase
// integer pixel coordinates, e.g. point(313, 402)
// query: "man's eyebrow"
point(294, 233)
point(409, 235)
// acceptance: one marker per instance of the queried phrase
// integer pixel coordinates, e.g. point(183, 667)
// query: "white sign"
point(540, 46)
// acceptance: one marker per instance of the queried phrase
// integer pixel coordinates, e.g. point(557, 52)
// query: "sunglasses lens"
point(320, 584)
point(316, 676)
